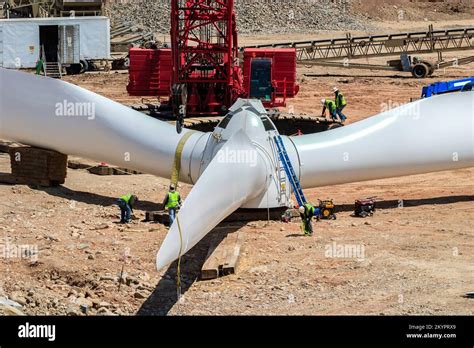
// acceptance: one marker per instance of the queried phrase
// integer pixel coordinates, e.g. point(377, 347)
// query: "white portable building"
point(67, 40)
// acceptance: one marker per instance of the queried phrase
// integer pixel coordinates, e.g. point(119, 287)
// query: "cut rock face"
point(253, 16)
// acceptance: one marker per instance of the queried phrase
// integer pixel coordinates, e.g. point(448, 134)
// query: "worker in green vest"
point(341, 103)
point(126, 204)
point(39, 66)
point(307, 212)
point(172, 203)
point(329, 105)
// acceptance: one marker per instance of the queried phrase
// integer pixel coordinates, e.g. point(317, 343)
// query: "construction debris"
point(160, 217)
point(126, 34)
point(102, 169)
point(106, 170)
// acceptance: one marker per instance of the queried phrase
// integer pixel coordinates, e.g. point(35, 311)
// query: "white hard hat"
point(302, 210)
point(335, 89)
point(323, 101)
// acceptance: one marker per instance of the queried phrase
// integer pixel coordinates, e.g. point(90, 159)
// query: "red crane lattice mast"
point(207, 76)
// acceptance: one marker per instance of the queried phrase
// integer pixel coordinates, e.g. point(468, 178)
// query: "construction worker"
point(329, 105)
point(39, 66)
point(307, 211)
point(341, 103)
point(126, 204)
point(172, 203)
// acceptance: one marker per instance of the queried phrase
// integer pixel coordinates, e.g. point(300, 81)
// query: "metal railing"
point(43, 58)
point(59, 63)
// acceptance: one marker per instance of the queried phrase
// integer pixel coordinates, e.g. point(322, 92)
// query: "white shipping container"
point(70, 39)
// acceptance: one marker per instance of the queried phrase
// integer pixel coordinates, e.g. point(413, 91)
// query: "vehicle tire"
point(467, 87)
point(420, 71)
point(74, 69)
point(431, 67)
point(84, 66)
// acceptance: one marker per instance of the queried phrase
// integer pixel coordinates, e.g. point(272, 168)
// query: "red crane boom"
point(202, 74)
point(206, 73)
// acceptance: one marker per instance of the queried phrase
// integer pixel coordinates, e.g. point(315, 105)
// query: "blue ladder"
point(290, 172)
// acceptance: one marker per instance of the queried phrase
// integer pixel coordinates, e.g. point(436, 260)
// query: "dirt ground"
point(415, 256)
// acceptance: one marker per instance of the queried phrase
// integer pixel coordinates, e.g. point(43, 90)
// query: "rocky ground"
point(415, 256)
point(254, 16)
point(300, 16)
point(413, 10)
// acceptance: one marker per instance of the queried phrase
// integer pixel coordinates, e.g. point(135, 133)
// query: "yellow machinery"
point(327, 210)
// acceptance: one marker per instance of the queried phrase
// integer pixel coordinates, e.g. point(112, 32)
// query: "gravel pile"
point(254, 16)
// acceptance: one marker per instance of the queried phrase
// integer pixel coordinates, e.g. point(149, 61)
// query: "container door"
point(261, 79)
point(69, 44)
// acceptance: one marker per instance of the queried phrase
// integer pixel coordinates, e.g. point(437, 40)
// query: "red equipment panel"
point(284, 78)
point(150, 72)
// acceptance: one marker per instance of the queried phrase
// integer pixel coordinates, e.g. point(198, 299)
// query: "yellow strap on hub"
point(177, 158)
point(174, 181)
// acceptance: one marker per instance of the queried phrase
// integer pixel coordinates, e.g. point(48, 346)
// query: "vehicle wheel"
point(467, 87)
point(420, 71)
point(74, 69)
point(431, 67)
point(84, 66)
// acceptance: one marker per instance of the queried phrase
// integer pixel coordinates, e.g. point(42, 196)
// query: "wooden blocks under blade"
point(223, 257)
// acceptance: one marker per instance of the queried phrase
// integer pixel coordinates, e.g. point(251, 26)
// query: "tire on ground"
point(420, 71)
point(84, 66)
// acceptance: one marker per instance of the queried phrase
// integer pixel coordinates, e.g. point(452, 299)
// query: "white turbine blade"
point(226, 184)
point(66, 118)
point(429, 135)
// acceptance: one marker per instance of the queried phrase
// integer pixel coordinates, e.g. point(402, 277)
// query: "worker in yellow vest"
point(126, 204)
point(307, 212)
point(172, 203)
point(341, 103)
point(330, 106)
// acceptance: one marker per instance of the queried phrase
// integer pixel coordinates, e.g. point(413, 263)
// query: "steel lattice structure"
point(205, 49)
point(431, 41)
